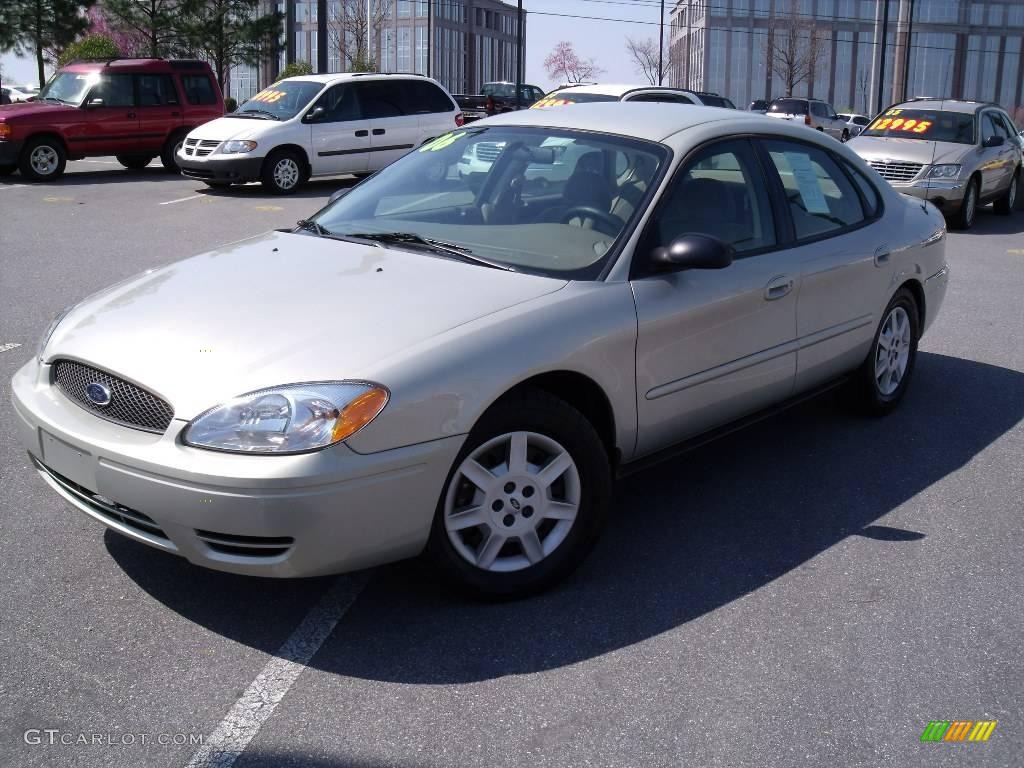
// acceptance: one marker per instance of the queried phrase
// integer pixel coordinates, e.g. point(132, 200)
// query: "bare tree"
point(795, 47)
point(563, 63)
point(347, 27)
point(645, 57)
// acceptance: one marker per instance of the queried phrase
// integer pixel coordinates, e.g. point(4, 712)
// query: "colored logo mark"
point(958, 730)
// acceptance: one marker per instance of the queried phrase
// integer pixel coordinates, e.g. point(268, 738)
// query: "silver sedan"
point(462, 362)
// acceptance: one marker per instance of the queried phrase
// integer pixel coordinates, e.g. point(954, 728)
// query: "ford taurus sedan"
point(463, 364)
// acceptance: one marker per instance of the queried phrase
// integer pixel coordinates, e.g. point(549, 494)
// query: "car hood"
point(276, 309)
point(225, 128)
point(907, 150)
point(23, 109)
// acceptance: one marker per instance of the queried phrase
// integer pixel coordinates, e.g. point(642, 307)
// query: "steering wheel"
point(612, 224)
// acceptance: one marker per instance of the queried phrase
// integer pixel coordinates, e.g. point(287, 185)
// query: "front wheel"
point(964, 218)
point(283, 172)
point(525, 501)
point(1004, 205)
point(43, 159)
point(846, 136)
point(882, 380)
point(169, 153)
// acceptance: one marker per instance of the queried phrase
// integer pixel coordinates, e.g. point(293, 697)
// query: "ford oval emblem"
point(98, 394)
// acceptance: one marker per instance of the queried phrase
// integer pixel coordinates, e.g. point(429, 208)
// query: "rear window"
point(716, 101)
point(426, 97)
point(198, 89)
point(558, 98)
point(789, 106)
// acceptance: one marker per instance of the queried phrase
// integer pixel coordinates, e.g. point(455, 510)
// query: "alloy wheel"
point(512, 501)
point(44, 160)
point(892, 353)
point(970, 205)
point(286, 173)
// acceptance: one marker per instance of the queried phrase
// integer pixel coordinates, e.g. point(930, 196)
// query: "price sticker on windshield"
point(550, 102)
point(442, 141)
point(908, 125)
point(268, 96)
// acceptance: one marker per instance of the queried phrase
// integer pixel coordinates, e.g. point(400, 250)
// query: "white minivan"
point(319, 125)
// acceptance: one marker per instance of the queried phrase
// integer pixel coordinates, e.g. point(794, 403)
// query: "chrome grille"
point(130, 405)
point(109, 510)
point(489, 150)
point(200, 147)
point(896, 171)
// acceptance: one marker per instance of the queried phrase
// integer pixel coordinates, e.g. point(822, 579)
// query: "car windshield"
point(282, 100)
point(541, 200)
point(789, 106)
point(69, 87)
point(926, 124)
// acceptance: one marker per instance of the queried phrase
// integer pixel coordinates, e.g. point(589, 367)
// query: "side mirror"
point(994, 141)
point(97, 102)
point(692, 251)
point(314, 114)
point(338, 194)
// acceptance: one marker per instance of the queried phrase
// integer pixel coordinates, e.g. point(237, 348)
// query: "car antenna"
point(931, 165)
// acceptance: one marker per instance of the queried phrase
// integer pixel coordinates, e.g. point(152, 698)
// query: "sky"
point(604, 41)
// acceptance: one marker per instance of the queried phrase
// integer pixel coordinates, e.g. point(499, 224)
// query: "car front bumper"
point(311, 514)
point(946, 195)
point(234, 169)
point(9, 151)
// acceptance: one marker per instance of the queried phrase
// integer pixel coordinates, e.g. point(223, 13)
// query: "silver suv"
point(957, 154)
point(813, 113)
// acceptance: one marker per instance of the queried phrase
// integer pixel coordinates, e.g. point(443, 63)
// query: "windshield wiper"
point(439, 246)
point(54, 98)
point(311, 226)
point(255, 113)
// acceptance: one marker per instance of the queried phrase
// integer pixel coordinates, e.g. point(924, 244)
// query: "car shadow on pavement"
point(317, 188)
point(110, 174)
point(687, 537)
point(988, 222)
point(257, 757)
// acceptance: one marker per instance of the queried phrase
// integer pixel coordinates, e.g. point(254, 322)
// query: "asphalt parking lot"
point(811, 591)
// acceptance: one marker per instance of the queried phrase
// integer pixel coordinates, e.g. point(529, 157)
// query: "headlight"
point(236, 147)
point(5, 131)
point(289, 419)
point(49, 332)
point(944, 171)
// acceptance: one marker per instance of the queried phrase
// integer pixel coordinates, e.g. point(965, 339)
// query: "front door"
point(714, 345)
point(339, 135)
point(394, 129)
point(111, 126)
point(159, 111)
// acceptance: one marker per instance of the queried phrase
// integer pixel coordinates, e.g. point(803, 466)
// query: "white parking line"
point(255, 706)
point(9, 345)
point(183, 199)
point(12, 186)
point(101, 162)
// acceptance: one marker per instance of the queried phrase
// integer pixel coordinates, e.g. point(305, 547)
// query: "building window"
point(404, 11)
point(421, 50)
point(405, 50)
point(387, 50)
point(421, 8)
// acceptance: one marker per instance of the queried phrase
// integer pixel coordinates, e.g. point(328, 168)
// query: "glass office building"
point(958, 49)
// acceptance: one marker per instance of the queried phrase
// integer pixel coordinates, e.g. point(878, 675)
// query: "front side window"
point(926, 124)
point(720, 193)
point(339, 104)
point(281, 101)
point(540, 200)
point(821, 197)
point(115, 90)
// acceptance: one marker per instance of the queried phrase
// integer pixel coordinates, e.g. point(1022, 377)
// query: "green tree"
point(159, 22)
point(33, 27)
point(91, 47)
point(229, 32)
point(296, 69)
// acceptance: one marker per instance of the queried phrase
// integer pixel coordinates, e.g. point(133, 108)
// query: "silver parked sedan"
point(462, 363)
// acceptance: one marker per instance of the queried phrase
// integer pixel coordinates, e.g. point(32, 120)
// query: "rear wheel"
point(884, 376)
point(846, 135)
point(964, 218)
point(134, 162)
point(525, 500)
point(43, 159)
point(168, 155)
point(283, 172)
point(1005, 204)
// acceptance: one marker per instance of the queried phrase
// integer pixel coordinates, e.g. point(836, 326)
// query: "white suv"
point(319, 125)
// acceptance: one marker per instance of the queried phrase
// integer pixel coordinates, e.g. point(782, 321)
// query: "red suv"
point(135, 109)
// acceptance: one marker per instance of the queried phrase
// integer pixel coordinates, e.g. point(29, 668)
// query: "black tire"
point(279, 165)
point(7, 170)
point(44, 144)
point(846, 135)
point(135, 162)
point(170, 149)
point(868, 393)
point(545, 415)
point(1005, 204)
point(964, 218)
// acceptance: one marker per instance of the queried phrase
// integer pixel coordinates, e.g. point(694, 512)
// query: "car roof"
point(339, 77)
point(946, 105)
point(652, 121)
point(619, 89)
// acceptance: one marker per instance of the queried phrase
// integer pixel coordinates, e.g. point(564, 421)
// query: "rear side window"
point(821, 197)
point(382, 98)
point(156, 90)
point(422, 97)
point(198, 89)
point(789, 106)
point(870, 198)
point(860, 121)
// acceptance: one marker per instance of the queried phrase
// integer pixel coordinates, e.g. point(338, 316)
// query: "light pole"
point(519, 56)
point(661, 42)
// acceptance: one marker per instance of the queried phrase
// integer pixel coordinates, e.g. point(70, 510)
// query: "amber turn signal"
point(358, 413)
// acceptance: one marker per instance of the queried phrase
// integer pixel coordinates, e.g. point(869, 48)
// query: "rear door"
point(159, 110)
point(111, 124)
point(393, 130)
point(340, 135)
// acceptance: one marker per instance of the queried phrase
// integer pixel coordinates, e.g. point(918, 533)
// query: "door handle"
point(882, 255)
point(778, 287)
point(378, 131)
point(362, 133)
